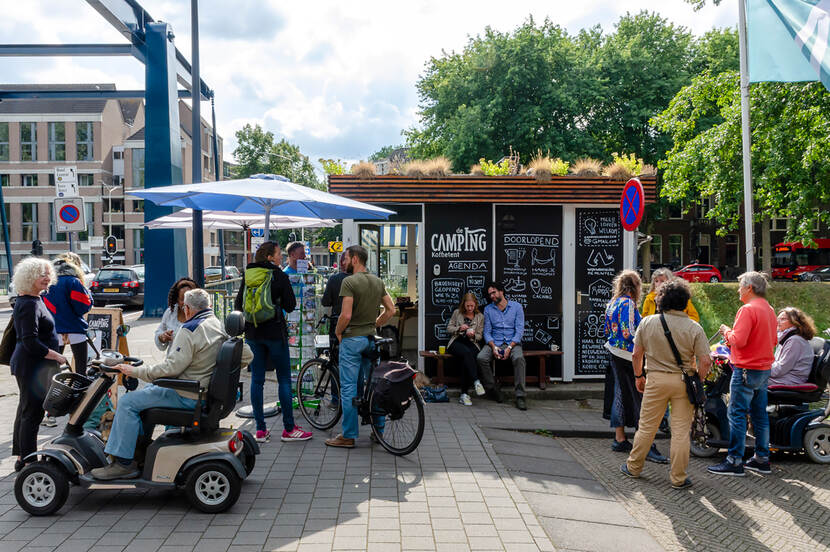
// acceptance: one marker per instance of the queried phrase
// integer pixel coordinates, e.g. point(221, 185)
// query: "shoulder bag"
point(694, 387)
point(8, 343)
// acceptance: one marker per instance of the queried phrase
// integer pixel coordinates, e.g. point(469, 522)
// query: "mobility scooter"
point(794, 426)
point(206, 461)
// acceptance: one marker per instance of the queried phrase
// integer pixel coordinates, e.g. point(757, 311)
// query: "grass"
point(718, 303)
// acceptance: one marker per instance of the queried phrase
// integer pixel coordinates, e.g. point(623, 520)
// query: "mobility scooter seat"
point(810, 391)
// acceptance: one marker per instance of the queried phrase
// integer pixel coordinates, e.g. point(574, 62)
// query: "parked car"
point(821, 274)
point(89, 275)
point(214, 273)
point(699, 273)
point(119, 284)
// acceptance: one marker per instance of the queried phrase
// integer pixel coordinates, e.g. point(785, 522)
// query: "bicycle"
point(318, 395)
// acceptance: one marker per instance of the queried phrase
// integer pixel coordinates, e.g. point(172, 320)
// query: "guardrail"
point(223, 293)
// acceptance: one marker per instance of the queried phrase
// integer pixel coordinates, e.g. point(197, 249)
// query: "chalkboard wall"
point(529, 264)
point(458, 259)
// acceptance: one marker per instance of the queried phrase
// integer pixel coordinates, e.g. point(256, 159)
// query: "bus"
point(791, 259)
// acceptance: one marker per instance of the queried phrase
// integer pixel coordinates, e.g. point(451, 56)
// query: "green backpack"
point(257, 302)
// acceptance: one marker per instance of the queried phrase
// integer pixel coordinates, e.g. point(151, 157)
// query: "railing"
point(223, 293)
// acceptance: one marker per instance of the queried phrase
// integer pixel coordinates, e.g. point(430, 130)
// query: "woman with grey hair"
point(35, 359)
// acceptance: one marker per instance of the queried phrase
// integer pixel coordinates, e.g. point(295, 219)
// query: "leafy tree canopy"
point(257, 151)
point(383, 153)
point(540, 88)
point(790, 124)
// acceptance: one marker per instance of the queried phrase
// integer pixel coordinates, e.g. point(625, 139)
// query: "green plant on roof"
point(559, 167)
point(489, 168)
point(630, 162)
point(333, 166)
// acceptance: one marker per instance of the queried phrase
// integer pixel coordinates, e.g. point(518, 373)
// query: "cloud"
point(240, 20)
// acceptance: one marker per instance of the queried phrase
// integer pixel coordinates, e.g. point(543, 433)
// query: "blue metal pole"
point(198, 232)
point(215, 144)
point(166, 250)
point(6, 234)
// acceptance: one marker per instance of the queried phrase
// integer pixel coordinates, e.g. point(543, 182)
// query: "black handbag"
point(8, 343)
point(694, 387)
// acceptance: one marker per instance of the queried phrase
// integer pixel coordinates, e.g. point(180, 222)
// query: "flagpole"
point(746, 139)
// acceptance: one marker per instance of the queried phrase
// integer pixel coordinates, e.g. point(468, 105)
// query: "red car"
point(699, 273)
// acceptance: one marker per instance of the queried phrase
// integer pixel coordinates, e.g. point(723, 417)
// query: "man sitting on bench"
point(504, 325)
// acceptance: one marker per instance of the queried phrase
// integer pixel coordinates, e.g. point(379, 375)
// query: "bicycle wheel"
point(318, 395)
point(401, 436)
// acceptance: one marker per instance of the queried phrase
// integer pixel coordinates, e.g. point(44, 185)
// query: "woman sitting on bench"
point(466, 326)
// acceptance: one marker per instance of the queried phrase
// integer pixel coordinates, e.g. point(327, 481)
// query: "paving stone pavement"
point(787, 510)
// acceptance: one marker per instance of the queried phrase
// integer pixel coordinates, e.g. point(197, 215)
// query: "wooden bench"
point(541, 379)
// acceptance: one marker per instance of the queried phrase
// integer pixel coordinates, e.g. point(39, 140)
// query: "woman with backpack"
point(264, 295)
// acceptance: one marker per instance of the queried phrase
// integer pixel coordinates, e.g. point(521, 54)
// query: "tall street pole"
point(196, 89)
point(746, 139)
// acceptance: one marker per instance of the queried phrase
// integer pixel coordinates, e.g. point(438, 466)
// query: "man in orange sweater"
point(752, 344)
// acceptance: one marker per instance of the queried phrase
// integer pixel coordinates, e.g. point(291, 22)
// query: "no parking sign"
point(69, 214)
point(632, 204)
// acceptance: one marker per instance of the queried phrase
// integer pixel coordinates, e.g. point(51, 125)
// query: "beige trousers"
point(663, 388)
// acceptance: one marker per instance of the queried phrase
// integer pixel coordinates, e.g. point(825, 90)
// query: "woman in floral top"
point(621, 321)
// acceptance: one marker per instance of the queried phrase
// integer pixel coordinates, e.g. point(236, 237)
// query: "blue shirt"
point(505, 326)
point(621, 321)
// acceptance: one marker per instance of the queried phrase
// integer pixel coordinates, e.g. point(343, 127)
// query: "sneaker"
point(296, 434)
point(655, 456)
point(116, 470)
point(621, 446)
point(340, 442)
point(263, 436)
point(49, 421)
point(478, 387)
point(624, 471)
point(465, 399)
point(727, 468)
point(685, 485)
point(757, 466)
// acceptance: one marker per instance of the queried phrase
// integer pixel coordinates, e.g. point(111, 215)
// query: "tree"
point(383, 153)
point(790, 124)
point(258, 152)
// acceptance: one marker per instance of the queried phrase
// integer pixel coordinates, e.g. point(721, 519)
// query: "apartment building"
point(104, 140)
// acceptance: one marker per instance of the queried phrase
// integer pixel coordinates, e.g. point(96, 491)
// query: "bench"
point(540, 380)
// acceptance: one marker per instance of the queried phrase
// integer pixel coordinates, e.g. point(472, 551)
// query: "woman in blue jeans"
point(268, 338)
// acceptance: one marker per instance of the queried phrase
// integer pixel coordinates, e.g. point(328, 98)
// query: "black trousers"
point(465, 350)
point(33, 387)
point(80, 354)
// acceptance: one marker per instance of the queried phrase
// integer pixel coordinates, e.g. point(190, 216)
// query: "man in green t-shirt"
point(362, 293)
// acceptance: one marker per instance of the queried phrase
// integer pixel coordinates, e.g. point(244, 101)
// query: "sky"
point(335, 78)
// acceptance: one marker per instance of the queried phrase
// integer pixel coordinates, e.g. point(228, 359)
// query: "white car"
point(88, 277)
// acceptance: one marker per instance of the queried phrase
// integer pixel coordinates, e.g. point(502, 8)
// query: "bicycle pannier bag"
point(393, 389)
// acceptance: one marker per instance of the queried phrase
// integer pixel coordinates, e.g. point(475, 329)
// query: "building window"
point(85, 180)
point(118, 154)
point(83, 138)
point(731, 250)
point(116, 230)
point(138, 167)
point(138, 245)
point(5, 180)
point(656, 249)
point(90, 223)
point(29, 180)
point(675, 211)
point(703, 207)
point(29, 216)
point(57, 141)
point(780, 224)
point(28, 141)
point(116, 205)
point(4, 141)
point(56, 236)
point(138, 206)
point(676, 249)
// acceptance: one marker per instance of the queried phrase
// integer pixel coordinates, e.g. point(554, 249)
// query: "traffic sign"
point(66, 182)
point(69, 214)
point(257, 238)
point(335, 247)
point(632, 204)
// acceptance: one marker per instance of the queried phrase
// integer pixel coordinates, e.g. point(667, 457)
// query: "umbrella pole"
point(268, 223)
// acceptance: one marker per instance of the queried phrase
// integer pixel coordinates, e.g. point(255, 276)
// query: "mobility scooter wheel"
point(704, 450)
point(817, 445)
point(41, 488)
point(212, 487)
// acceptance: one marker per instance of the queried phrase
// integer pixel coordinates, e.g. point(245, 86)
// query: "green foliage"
point(790, 125)
point(718, 303)
point(541, 88)
point(629, 161)
point(559, 167)
point(698, 4)
point(490, 168)
point(332, 166)
point(383, 153)
point(257, 151)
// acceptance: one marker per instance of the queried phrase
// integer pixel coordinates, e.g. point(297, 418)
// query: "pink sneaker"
point(296, 434)
point(263, 436)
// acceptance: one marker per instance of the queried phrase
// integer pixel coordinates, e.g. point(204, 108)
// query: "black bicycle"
point(318, 394)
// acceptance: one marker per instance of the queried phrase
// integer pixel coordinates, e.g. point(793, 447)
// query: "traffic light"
point(112, 245)
point(37, 248)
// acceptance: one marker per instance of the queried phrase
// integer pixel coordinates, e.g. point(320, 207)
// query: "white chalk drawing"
point(543, 337)
point(553, 323)
point(515, 285)
point(600, 257)
point(538, 289)
point(591, 226)
point(600, 289)
point(536, 260)
point(515, 256)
